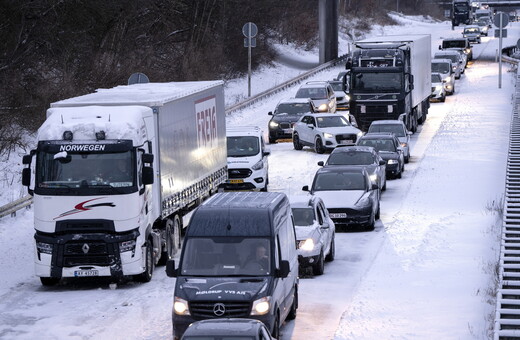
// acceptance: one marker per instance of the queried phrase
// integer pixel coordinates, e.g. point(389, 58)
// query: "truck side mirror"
point(170, 268)
point(26, 177)
point(26, 159)
point(148, 176)
point(147, 158)
point(284, 270)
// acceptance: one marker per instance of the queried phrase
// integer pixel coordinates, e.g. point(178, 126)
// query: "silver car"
point(445, 69)
point(438, 88)
point(324, 132)
point(315, 232)
point(399, 129)
point(457, 63)
point(321, 93)
point(472, 33)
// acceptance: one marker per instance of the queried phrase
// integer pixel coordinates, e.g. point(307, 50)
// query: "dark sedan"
point(388, 147)
point(363, 157)
point(286, 113)
point(227, 328)
point(350, 197)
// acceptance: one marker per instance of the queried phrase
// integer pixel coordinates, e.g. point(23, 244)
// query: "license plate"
point(235, 181)
point(347, 141)
point(287, 130)
point(82, 273)
point(338, 215)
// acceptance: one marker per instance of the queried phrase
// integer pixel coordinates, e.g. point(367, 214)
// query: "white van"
point(247, 159)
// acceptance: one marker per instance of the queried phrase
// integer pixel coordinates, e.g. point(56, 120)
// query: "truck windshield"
point(377, 81)
point(242, 146)
point(226, 256)
point(86, 171)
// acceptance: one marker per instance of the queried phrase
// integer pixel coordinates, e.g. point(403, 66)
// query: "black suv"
point(286, 113)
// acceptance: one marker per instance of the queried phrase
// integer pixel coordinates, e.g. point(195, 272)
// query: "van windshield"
point(242, 146)
point(226, 256)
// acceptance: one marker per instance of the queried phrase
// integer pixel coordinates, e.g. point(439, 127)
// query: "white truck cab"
point(247, 159)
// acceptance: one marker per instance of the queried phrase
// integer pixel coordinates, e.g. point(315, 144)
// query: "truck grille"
point(233, 309)
point(86, 253)
point(239, 173)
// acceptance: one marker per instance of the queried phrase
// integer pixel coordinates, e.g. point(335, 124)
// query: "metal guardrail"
point(507, 314)
point(26, 201)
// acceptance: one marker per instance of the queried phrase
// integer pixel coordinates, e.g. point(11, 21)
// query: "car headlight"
point(261, 306)
point(45, 248)
point(448, 79)
point(259, 165)
point(307, 244)
point(363, 202)
point(347, 97)
point(323, 108)
point(180, 306)
point(392, 161)
point(360, 134)
point(373, 178)
point(327, 135)
point(273, 124)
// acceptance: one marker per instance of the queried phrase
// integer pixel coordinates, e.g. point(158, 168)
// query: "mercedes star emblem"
point(219, 309)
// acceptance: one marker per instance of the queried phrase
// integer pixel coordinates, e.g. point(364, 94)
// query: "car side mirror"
point(284, 270)
point(382, 162)
point(310, 126)
point(325, 226)
point(170, 268)
point(305, 188)
point(270, 113)
point(409, 133)
point(266, 153)
point(375, 186)
point(320, 163)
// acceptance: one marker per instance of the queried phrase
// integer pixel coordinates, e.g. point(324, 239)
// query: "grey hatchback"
point(227, 328)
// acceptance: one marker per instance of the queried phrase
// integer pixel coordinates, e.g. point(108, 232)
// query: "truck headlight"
point(273, 124)
point(392, 161)
point(180, 306)
point(259, 165)
point(307, 244)
point(327, 135)
point(127, 246)
point(323, 108)
point(44, 248)
point(261, 306)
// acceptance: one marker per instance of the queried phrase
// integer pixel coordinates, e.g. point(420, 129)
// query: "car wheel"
point(264, 189)
point(443, 98)
point(332, 253)
point(296, 142)
point(319, 267)
point(372, 224)
point(275, 333)
point(272, 140)
point(49, 281)
point(318, 146)
point(378, 212)
point(407, 159)
point(294, 306)
point(146, 276)
point(384, 186)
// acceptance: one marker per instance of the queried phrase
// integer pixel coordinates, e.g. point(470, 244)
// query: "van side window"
point(277, 254)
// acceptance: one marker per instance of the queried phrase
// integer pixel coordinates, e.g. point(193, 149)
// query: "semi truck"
point(462, 14)
point(116, 170)
point(390, 78)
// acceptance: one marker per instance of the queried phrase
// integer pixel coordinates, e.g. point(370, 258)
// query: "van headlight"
point(259, 165)
point(261, 306)
point(307, 244)
point(180, 306)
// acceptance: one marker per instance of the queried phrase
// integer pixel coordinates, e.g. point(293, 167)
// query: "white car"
point(247, 159)
point(315, 232)
point(324, 131)
point(398, 128)
point(445, 69)
point(438, 88)
point(472, 33)
point(457, 63)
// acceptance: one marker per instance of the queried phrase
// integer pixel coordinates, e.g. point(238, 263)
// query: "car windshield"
point(453, 57)
point(379, 144)
point(293, 108)
point(312, 92)
point(441, 67)
point(226, 256)
point(332, 121)
point(395, 128)
point(242, 146)
point(337, 86)
point(378, 81)
point(330, 181)
point(350, 158)
point(303, 216)
point(436, 78)
point(471, 30)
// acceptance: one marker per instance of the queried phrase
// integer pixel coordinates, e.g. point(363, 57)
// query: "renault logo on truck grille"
point(85, 248)
point(219, 309)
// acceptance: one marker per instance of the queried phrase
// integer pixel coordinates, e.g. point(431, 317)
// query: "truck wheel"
point(319, 267)
point(296, 142)
point(172, 238)
point(294, 306)
point(49, 281)
point(146, 276)
point(318, 146)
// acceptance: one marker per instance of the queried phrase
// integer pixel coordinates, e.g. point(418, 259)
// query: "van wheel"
point(319, 267)
point(332, 252)
point(49, 281)
point(146, 276)
point(296, 142)
point(318, 146)
point(294, 306)
point(275, 333)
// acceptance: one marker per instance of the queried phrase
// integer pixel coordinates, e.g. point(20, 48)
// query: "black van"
point(238, 260)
